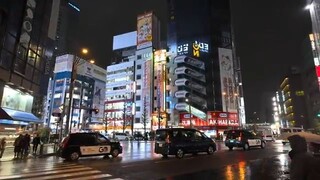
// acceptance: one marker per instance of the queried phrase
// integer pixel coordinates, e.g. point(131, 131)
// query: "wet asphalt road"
point(139, 162)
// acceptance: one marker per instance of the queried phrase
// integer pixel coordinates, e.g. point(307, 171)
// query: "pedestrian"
point(36, 141)
point(303, 165)
point(17, 146)
point(2, 146)
point(25, 144)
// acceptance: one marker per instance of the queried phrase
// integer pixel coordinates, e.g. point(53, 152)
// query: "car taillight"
point(240, 137)
point(64, 142)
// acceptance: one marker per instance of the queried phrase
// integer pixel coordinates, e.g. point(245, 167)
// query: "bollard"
point(41, 149)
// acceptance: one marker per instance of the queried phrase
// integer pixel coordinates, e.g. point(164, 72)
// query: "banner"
point(228, 89)
point(144, 31)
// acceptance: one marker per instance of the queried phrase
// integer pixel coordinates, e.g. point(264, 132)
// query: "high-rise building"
point(294, 102)
point(201, 62)
point(27, 34)
point(68, 20)
point(141, 92)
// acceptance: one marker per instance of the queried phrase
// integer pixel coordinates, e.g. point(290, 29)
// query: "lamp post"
point(75, 63)
point(190, 119)
point(226, 95)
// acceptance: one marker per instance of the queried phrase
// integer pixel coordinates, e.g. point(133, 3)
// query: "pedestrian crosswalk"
point(68, 171)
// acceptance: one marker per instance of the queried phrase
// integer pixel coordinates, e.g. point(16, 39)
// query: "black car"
point(244, 139)
point(180, 141)
point(77, 145)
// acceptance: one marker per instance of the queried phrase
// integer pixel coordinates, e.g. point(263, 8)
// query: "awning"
point(11, 114)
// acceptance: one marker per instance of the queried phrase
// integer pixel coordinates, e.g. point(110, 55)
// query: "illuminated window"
point(299, 93)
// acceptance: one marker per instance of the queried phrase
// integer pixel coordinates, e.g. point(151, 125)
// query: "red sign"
point(214, 119)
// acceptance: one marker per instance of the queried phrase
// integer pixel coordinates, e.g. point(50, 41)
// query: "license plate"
point(160, 145)
point(232, 141)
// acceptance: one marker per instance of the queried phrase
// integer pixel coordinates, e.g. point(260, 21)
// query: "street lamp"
point(190, 119)
point(75, 63)
point(85, 51)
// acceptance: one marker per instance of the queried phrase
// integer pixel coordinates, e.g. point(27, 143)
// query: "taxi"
point(77, 145)
point(244, 139)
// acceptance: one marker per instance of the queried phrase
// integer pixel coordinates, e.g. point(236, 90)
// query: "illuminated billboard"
point(220, 119)
point(193, 48)
point(144, 31)
point(160, 55)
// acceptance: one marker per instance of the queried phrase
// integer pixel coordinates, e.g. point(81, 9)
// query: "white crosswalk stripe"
point(58, 171)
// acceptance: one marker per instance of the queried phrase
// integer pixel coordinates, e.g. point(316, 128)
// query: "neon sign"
point(197, 47)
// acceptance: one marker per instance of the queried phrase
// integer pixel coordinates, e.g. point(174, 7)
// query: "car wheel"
point(263, 145)
point(179, 153)
point(115, 153)
point(74, 156)
point(126, 139)
point(210, 150)
point(195, 153)
point(246, 147)
point(230, 148)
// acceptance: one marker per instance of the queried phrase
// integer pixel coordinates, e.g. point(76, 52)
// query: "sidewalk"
point(48, 150)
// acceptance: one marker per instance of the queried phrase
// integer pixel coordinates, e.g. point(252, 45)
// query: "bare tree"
point(144, 115)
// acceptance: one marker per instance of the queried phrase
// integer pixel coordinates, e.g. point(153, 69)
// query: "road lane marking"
point(24, 175)
point(92, 177)
point(68, 175)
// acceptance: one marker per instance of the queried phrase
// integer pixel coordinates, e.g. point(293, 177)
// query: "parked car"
point(77, 145)
point(244, 139)
point(122, 136)
point(180, 141)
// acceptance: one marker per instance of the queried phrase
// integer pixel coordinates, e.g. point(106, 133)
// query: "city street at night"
point(139, 162)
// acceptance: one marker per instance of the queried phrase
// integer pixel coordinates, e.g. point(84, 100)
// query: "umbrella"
point(308, 136)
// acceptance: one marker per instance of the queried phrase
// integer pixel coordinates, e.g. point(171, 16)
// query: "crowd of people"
point(22, 145)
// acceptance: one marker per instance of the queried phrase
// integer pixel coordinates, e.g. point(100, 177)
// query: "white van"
point(290, 130)
point(266, 134)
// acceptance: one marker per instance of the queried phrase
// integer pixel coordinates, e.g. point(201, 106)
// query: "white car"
point(122, 136)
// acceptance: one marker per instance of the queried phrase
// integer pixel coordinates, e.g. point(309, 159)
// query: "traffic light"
point(96, 111)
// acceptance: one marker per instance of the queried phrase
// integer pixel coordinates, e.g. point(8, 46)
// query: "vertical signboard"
point(228, 90)
point(147, 86)
point(144, 31)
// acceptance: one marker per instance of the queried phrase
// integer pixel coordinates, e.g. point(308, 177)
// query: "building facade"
point(26, 49)
point(87, 95)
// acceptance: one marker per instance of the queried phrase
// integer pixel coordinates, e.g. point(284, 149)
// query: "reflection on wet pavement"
point(276, 167)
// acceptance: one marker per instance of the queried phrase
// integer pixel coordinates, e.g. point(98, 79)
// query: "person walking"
point(2, 146)
point(17, 146)
point(36, 141)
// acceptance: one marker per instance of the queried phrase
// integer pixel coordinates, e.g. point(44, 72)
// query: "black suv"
point(77, 145)
point(244, 139)
point(180, 141)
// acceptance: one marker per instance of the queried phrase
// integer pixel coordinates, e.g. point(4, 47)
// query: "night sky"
point(268, 33)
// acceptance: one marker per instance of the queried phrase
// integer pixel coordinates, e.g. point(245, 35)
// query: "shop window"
point(5, 59)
